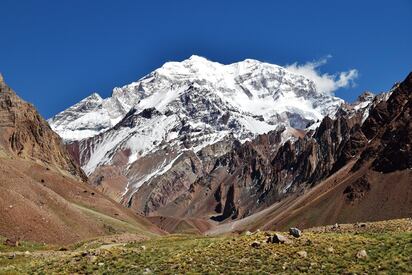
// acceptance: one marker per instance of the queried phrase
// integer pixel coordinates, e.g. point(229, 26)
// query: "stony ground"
point(384, 247)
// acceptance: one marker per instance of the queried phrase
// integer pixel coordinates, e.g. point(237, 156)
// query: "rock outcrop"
point(24, 133)
point(44, 196)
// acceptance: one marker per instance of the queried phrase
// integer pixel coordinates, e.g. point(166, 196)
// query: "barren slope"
point(43, 196)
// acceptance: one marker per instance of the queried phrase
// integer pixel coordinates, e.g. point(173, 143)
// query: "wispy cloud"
point(325, 83)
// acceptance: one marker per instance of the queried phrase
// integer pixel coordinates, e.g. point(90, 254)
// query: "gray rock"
point(147, 271)
point(335, 226)
point(255, 244)
point(302, 254)
point(278, 238)
point(361, 224)
point(362, 254)
point(93, 259)
point(295, 232)
point(12, 242)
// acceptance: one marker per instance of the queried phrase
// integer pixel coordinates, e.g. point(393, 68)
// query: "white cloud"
point(325, 83)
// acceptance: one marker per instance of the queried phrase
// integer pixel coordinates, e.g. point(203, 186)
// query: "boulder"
point(361, 224)
point(277, 238)
point(362, 254)
point(255, 244)
point(295, 232)
point(302, 254)
point(12, 242)
point(335, 226)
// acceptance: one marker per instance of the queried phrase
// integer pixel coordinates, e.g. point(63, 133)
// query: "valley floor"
point(331, 249)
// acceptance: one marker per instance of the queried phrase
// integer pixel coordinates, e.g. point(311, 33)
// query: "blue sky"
point(54, 53)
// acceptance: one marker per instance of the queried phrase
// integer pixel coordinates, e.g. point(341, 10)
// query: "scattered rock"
point(331, 250)
point(12, 256)
point(143, 247)
point(336, 226)
point(308, 242)
point(63, 249)
point(248, 233)
point(100, 264)
point(255, 244)
point(361, 224)
point(11, 242)
point(295, 232)
point(27, 253)
point(302, 254)
point(362, 254)
point(147, 271)
point(93, 259)
point(277, 238)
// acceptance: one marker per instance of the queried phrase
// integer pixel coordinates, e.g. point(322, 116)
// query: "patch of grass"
point(183, 254)
point(388, 251)
point(23, 246)
point(14, 256)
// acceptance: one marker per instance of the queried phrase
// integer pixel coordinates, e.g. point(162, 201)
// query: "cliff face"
point(389, 129)
point(24, 133)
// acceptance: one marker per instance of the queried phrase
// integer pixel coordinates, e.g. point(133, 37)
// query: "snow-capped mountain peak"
point(249, 86)
point(186, 106)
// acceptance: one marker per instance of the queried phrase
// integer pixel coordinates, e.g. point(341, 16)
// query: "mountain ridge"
point(202, 140)
point(196, 70)
point(186, 106)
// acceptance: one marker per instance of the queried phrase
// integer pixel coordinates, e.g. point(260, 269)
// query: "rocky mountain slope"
point(26, 134)
point(343, 171)
point(248, 145)
point(350, 170)
point(43, 194)
point(175, 112)
point(232, 180)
